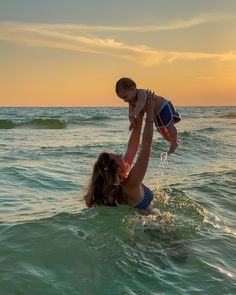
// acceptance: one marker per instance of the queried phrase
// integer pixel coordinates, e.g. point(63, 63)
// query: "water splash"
point(163, 170)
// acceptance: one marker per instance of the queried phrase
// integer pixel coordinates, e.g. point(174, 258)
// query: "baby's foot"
point(172, 147)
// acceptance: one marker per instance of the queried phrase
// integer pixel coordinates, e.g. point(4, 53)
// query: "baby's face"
point(128, 95)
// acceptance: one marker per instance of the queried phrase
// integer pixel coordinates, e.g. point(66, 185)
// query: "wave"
point(230, 115)
point(209, 130)
point(91, 118)
point(185, 134)
point(201, 131)
point(50, 123)
point(43, 123)
point(197, 132)
point(82, 149)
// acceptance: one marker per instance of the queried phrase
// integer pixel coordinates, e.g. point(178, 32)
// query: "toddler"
point(165, 115)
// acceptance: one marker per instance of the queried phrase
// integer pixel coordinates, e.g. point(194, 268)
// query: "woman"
point(113, 182)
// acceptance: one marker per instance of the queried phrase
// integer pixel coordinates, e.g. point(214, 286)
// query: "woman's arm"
point(133, 142)
point(139, 169)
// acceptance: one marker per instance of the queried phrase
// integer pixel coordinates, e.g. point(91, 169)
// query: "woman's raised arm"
point(134, 139)
point(139, 169)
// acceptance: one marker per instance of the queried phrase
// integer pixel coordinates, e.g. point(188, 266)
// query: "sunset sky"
point(71, 52)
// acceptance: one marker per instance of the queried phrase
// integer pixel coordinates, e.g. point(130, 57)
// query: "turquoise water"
point(51, 244)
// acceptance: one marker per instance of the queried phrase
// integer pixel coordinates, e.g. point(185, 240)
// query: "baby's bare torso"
point(159, 101)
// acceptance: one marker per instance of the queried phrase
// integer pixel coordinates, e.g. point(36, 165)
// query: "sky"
point(72, 52)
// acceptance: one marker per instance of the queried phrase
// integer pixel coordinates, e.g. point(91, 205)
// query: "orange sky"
point(190, 60)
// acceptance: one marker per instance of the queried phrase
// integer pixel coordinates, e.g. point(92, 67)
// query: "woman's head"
point(105, 186)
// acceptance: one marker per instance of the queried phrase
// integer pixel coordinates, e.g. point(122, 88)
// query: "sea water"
point(50, 243)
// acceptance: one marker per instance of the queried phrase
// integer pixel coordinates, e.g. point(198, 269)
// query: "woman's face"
point(123, 167)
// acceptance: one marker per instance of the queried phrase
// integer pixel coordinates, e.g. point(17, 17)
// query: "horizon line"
point(105, 106)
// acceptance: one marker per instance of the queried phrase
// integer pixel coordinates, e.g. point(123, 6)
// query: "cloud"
point(61, 36)
point(208, 78)
point(172, 25)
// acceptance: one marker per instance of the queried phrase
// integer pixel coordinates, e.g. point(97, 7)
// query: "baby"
point(165, 115)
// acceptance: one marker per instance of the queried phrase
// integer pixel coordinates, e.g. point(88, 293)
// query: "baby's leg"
point(173, 135)
point(164, 132)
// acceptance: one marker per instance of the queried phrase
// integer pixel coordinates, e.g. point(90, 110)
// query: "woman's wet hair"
point(105, 187)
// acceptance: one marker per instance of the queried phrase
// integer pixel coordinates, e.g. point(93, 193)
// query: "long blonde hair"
point(105, 187)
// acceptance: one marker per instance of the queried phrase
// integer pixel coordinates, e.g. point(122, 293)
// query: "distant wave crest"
point(43, 123)
point(230, 115)
point(91, 119)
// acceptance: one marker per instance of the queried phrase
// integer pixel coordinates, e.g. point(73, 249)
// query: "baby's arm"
point(131, 118)
point(131, 107)
point(140, 103)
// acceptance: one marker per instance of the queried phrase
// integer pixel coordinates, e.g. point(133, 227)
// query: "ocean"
point(50, 243)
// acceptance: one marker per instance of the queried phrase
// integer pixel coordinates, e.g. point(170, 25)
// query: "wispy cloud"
point(170, 26)
point(212, 78)
point(64, 36)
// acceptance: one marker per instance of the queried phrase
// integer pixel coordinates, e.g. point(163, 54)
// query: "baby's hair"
point(124, 83)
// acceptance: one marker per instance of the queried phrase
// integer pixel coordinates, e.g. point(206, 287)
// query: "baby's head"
point(126, 89)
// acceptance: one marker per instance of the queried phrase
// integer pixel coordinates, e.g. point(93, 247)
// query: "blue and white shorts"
point(166, 115)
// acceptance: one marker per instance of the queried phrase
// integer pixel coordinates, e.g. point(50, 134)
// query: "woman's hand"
point(136, 122)
point(150, 104)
